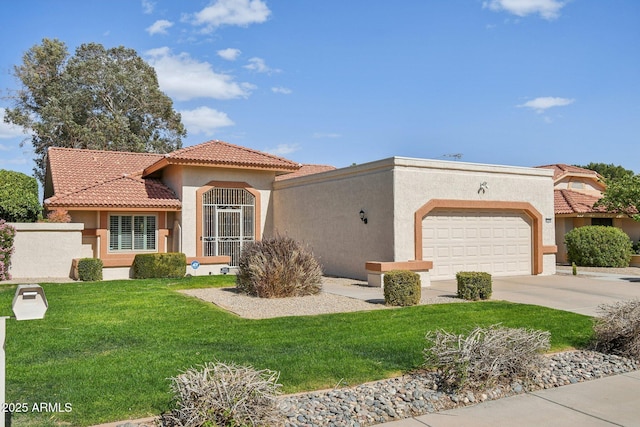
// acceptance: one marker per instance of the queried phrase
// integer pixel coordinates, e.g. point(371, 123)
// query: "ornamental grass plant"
point(617, 329)
point(225, 395)
point(486, 354)
point(278, 267)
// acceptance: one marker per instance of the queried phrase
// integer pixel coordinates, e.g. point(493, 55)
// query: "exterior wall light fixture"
point(363, 216)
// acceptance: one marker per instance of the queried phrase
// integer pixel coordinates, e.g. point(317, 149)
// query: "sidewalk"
point(611, 401)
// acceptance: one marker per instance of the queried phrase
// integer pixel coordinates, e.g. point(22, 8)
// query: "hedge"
point(155, 266)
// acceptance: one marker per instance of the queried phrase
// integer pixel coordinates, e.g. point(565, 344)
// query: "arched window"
point(228, 216)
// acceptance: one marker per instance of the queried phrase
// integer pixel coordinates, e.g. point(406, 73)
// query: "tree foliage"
point(18, 197)
point(609, 171)
point(622, 196)
point(105, 99)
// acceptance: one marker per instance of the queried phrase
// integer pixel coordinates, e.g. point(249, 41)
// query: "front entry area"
point(228, 222)
point(496, 242)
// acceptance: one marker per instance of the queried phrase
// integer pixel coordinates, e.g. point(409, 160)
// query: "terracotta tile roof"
point(560, 170)
point(121, 192)
point(305, 170)
point(219, 153)
point(570, 202)
point(73, 168)
point(94, 178)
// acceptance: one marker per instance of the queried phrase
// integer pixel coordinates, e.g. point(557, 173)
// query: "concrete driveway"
point(579, 294)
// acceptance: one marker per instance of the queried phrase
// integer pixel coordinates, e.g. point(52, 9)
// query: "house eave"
point(161, 164)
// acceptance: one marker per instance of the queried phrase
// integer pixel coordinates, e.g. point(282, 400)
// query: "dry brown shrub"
point(486, 355)
point(278, 267)
point(225, 395)
point(58, 215)
point(617, 329)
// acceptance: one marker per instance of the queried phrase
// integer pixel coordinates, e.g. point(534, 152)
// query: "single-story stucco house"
point(208, 200)
point(576, 190)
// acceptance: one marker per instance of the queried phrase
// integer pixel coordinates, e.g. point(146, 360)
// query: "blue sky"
point(515, 82)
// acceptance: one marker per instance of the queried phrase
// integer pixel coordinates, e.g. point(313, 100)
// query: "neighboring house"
point(576, 190)
point(210, 199)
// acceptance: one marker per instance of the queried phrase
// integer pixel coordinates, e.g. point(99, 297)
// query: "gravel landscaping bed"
point(322, 303)
point(418, 394)
point(263, 308)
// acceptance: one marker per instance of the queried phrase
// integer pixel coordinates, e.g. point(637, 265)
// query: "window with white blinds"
point(132, 233)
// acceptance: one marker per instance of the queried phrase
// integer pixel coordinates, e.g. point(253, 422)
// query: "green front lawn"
point(107, 348)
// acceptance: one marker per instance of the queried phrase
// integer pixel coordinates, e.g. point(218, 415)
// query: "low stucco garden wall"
point(45, 250)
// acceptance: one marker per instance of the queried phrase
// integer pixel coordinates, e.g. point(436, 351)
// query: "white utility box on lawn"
point(29, 302)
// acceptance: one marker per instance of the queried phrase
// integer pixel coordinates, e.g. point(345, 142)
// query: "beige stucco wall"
point(629, 226)
point(45, 250)
point(588, 185)
point(190, 179)
point(418, 181)
point(323, 209)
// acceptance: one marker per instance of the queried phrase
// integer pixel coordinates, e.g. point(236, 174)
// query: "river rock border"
point(418, 394)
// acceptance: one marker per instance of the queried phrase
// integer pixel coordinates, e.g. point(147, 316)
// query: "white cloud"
point(259, 66)
point(204, 120)
point(540, 105)
point(326, 135)
point(547, 9)
point(7, 130)
point(229, 54)
point(283, 149)
point(185, 78)
point(282, 90)
point(231, 12)
point(159, 27)
point(148, 6)
point(13, 162)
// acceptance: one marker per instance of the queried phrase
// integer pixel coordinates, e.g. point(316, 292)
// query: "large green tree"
point(622, 195)
point(608, 171)
point(105, 99)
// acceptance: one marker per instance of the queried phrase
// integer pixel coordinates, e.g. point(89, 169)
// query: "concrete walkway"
point(611, 401)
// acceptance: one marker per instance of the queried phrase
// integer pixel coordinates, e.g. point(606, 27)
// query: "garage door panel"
point(495, 242)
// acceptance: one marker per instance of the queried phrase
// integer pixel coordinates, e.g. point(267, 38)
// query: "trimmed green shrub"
point(18, 197)
point(598, 246)
point(278, 267)
point(156, 266)
point(90, 269)
point(402, 288)
point(7, 235)
point(474, 285)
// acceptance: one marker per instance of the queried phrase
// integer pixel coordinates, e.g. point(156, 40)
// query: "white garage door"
point(461, 240)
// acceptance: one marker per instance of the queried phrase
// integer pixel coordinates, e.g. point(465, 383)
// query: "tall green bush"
point(598, 246)
point(7, 236)
point(18, 197)
point(155, 266)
